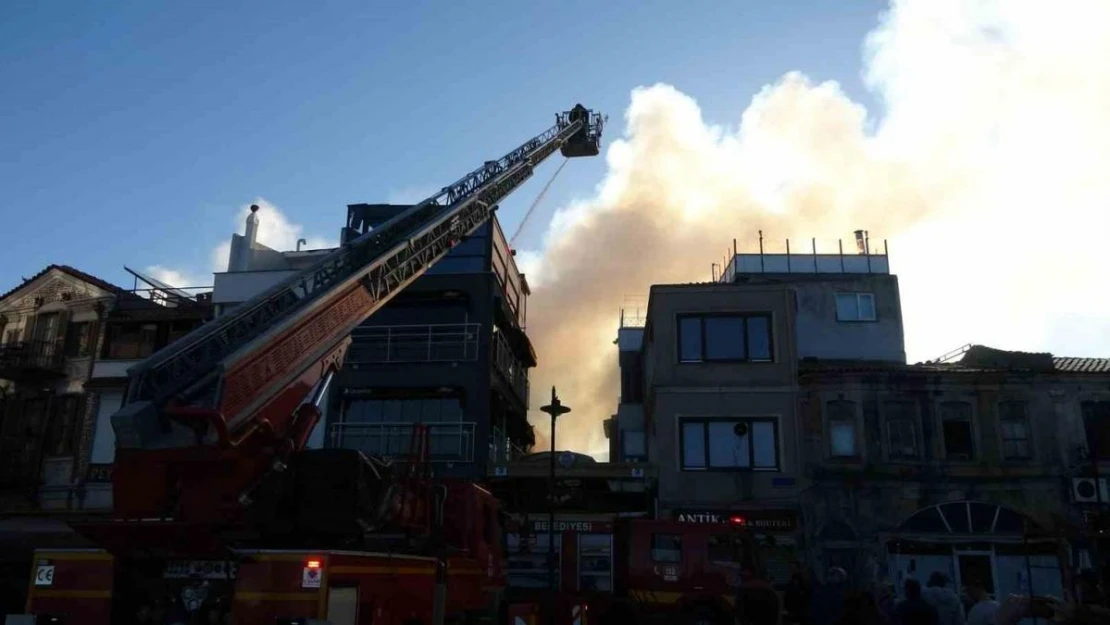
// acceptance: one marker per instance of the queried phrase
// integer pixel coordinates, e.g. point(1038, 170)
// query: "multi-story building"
point(626, 430)
point(972, 468)
point(139, 324)
point(781, 392)
point(450, 351)
point(67, 338)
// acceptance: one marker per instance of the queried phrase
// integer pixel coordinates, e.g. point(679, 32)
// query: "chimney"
point(242, 247)
point(862, 243)
point(252, 227)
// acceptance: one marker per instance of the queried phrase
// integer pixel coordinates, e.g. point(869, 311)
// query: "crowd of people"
point(834, 602)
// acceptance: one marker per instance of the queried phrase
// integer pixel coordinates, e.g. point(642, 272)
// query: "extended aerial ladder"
point(207, 418)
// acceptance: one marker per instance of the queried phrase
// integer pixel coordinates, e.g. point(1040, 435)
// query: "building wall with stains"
point(1011, 438)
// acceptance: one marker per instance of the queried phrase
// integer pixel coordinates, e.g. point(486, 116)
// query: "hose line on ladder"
point(528, 214)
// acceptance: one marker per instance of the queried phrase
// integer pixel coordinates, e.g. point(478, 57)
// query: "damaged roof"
point(76, 273)
point(977, 359)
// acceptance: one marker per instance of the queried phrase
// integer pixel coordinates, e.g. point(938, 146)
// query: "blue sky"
point(133, 132)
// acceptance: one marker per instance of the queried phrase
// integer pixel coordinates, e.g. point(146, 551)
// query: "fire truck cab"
point(684, 573)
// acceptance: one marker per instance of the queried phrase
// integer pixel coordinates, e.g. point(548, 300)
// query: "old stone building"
point(66, 339)
point(964, 467)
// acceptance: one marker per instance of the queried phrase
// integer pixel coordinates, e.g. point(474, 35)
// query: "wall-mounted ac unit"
point(1083, 490)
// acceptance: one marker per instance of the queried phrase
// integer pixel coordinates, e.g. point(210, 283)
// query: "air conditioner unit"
point(1083, 490)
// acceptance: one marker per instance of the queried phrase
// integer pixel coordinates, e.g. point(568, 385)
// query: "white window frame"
point(859, 297)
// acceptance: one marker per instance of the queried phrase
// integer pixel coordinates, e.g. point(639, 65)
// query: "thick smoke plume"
point(987, 170)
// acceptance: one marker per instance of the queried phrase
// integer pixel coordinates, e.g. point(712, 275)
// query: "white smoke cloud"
point(986, 170)
point(275, 231)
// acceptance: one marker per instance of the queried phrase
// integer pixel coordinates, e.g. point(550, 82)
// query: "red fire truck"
point(211, 464)
point(660, 572)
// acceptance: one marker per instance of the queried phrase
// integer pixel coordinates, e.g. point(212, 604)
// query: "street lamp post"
point(555, 409)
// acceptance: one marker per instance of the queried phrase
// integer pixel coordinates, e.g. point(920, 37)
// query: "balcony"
point(447, 442)
point(30, 360)
point(509, 367)
point(449, 342)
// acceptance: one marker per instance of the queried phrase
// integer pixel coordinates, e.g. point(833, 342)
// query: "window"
point(842, 428)
point(130, 341)
point(46, 327)
point(666, 548)
point(901, 430)
point(855, 307)
point(178, 329)
point(595, 562)
point(1014, 426)
point(408, 410)
point(1096, 422)
point(729, 444)
point(634, 445)
point(959, 440)
point(723, 549)
point(724, 338)
point(63, 427)
point(77, 340)
point(528, 561)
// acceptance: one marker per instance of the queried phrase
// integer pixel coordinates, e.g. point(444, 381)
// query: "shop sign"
point(765, 520)
point(200, 569)
point(99, 474)
point(575, 526)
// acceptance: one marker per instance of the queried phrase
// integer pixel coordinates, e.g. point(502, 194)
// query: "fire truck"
point(663, 572)
point(222, 515)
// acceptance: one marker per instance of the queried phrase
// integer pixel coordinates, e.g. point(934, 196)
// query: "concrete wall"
point(676, 390)
point(720, 489)
point(821, 335)
point(661, 346)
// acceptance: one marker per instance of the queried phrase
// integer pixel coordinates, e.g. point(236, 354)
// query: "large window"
point(528, 560)
point(725, 338)
point(1096, 421)
point(1014, 428)
point(729, 444)
point(666, 548)
point(901, 430)
point(78, 340)
point(129, 341)
point(61, 434)
point(633, 445)
point(595, 562)
point(855, 307)
point(420, 410)
point(955, 421)
point(842, 429)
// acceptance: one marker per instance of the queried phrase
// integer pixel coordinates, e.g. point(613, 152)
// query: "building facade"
point(67, 339)
point(450, 351)
point(781, 393)
point(970, 468)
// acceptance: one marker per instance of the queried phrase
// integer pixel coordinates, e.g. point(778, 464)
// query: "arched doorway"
point(1002, 547)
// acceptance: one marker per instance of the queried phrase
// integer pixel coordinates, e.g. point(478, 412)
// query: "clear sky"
point(131, 133)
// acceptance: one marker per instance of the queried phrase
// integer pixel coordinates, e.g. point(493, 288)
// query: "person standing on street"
point(985, 608)
point(913, 610)
point(950, 610)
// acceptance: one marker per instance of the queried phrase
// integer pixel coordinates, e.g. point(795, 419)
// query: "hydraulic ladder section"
point(245, 374)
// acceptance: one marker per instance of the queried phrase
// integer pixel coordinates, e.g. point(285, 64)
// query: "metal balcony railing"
point(447, 442)
point(509, 366)
point(29, 356)
point(414, 343)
